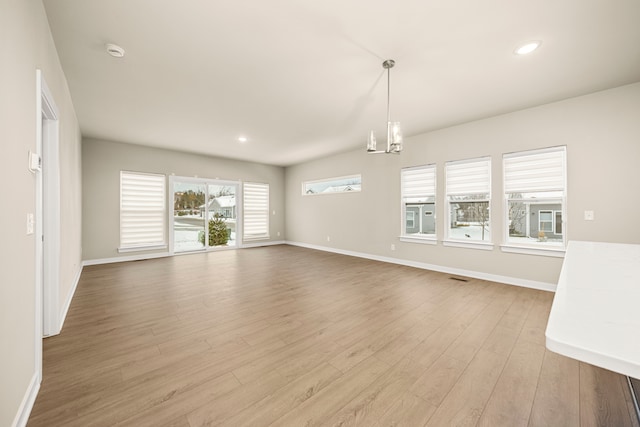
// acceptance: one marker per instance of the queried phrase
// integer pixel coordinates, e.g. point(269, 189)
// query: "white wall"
point(26, 44)
point(103, 161)
point(602, 135)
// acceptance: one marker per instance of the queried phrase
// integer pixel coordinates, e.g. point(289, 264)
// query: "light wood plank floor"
point(286, 336)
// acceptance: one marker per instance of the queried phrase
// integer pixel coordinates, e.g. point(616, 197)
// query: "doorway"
point(47, 218)
point(204, 214)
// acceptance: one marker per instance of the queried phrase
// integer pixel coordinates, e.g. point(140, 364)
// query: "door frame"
point(206, 181)
point(47, 219)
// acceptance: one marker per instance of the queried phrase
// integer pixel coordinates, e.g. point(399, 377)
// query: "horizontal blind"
point(468, 177)
point(535, 171)
point(256, 210)
point(142, 209)
point(418, 183)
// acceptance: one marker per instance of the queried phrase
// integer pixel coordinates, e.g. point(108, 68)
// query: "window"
point(344, 184)
point(418, 188)
point(411, 220)
point(256, 211)
point(534, 186)
point(142, 211)
point(468, 196)
point(546, 221)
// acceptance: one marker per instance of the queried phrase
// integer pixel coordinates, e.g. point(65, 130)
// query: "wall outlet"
point(393, 247)
point(328, 239)
point(589, 216)
point(278, 234)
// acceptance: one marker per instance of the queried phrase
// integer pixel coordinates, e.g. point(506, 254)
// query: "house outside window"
point(468, 197)
point(418, 190)
point(535, 194)
point(343, 184)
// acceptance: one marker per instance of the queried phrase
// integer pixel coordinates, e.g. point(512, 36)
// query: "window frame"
point(161, 180)
point(552, 189)
point(424, 195)
point(481, 192)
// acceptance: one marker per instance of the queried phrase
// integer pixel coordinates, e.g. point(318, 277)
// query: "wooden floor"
point(287, 336)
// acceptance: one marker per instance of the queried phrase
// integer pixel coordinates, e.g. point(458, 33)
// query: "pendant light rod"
point(388, 65)
point(394, 134)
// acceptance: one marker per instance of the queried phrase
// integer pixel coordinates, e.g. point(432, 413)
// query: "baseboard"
point(67, 303)
point(259, 244)
point(543, 286)
point(140, 257)
point(27, 402)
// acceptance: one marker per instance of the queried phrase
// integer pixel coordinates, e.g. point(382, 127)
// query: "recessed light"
point(242, 139)
point(528, 47)
point(114, 50)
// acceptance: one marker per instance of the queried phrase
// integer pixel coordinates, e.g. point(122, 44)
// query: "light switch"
point(30, 223)
point(589, 216)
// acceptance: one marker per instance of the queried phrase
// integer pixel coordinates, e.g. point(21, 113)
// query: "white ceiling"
point(303, 79)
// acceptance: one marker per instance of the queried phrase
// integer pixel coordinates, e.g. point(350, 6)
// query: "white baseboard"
point(543, 286)
point(27, 402)
point(140, 257)
point(137, 257)
point(258, 244)
point(67, 303)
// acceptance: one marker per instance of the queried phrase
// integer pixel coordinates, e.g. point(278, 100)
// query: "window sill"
point(528, 250)
point(469, 245)
point(142, 248)
point(421, 240)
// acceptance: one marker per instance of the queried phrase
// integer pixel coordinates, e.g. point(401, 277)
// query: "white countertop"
point(595, 316)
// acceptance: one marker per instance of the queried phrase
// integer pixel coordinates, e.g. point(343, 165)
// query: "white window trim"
point(431, 240)
point(531, 250)
point(477, 244)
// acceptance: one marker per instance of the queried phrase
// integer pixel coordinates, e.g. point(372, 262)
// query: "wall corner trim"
point(543, 286)
point(27, 402)
point(67, 303)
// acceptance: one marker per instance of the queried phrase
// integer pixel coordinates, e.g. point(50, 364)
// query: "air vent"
point(459, 279)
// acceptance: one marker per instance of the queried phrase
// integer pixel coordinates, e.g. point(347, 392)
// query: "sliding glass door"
point(205, 214)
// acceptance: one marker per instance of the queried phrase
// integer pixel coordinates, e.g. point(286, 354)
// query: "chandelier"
point(394, 134)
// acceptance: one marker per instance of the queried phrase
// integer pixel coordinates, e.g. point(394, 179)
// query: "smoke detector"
point(114, 50)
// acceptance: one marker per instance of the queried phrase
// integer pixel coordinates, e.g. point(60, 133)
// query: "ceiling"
point(303, 79)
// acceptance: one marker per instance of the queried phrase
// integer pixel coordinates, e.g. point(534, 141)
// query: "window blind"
point(142, 209)
point(468, 177)
point(256, 211)
point(418, 184)
point(535, 171)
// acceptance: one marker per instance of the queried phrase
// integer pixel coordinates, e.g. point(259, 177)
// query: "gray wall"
point(602, 135)
point(26, 44)
point(103, 160)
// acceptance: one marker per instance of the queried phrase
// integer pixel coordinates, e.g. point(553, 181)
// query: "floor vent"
point(458, 279)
